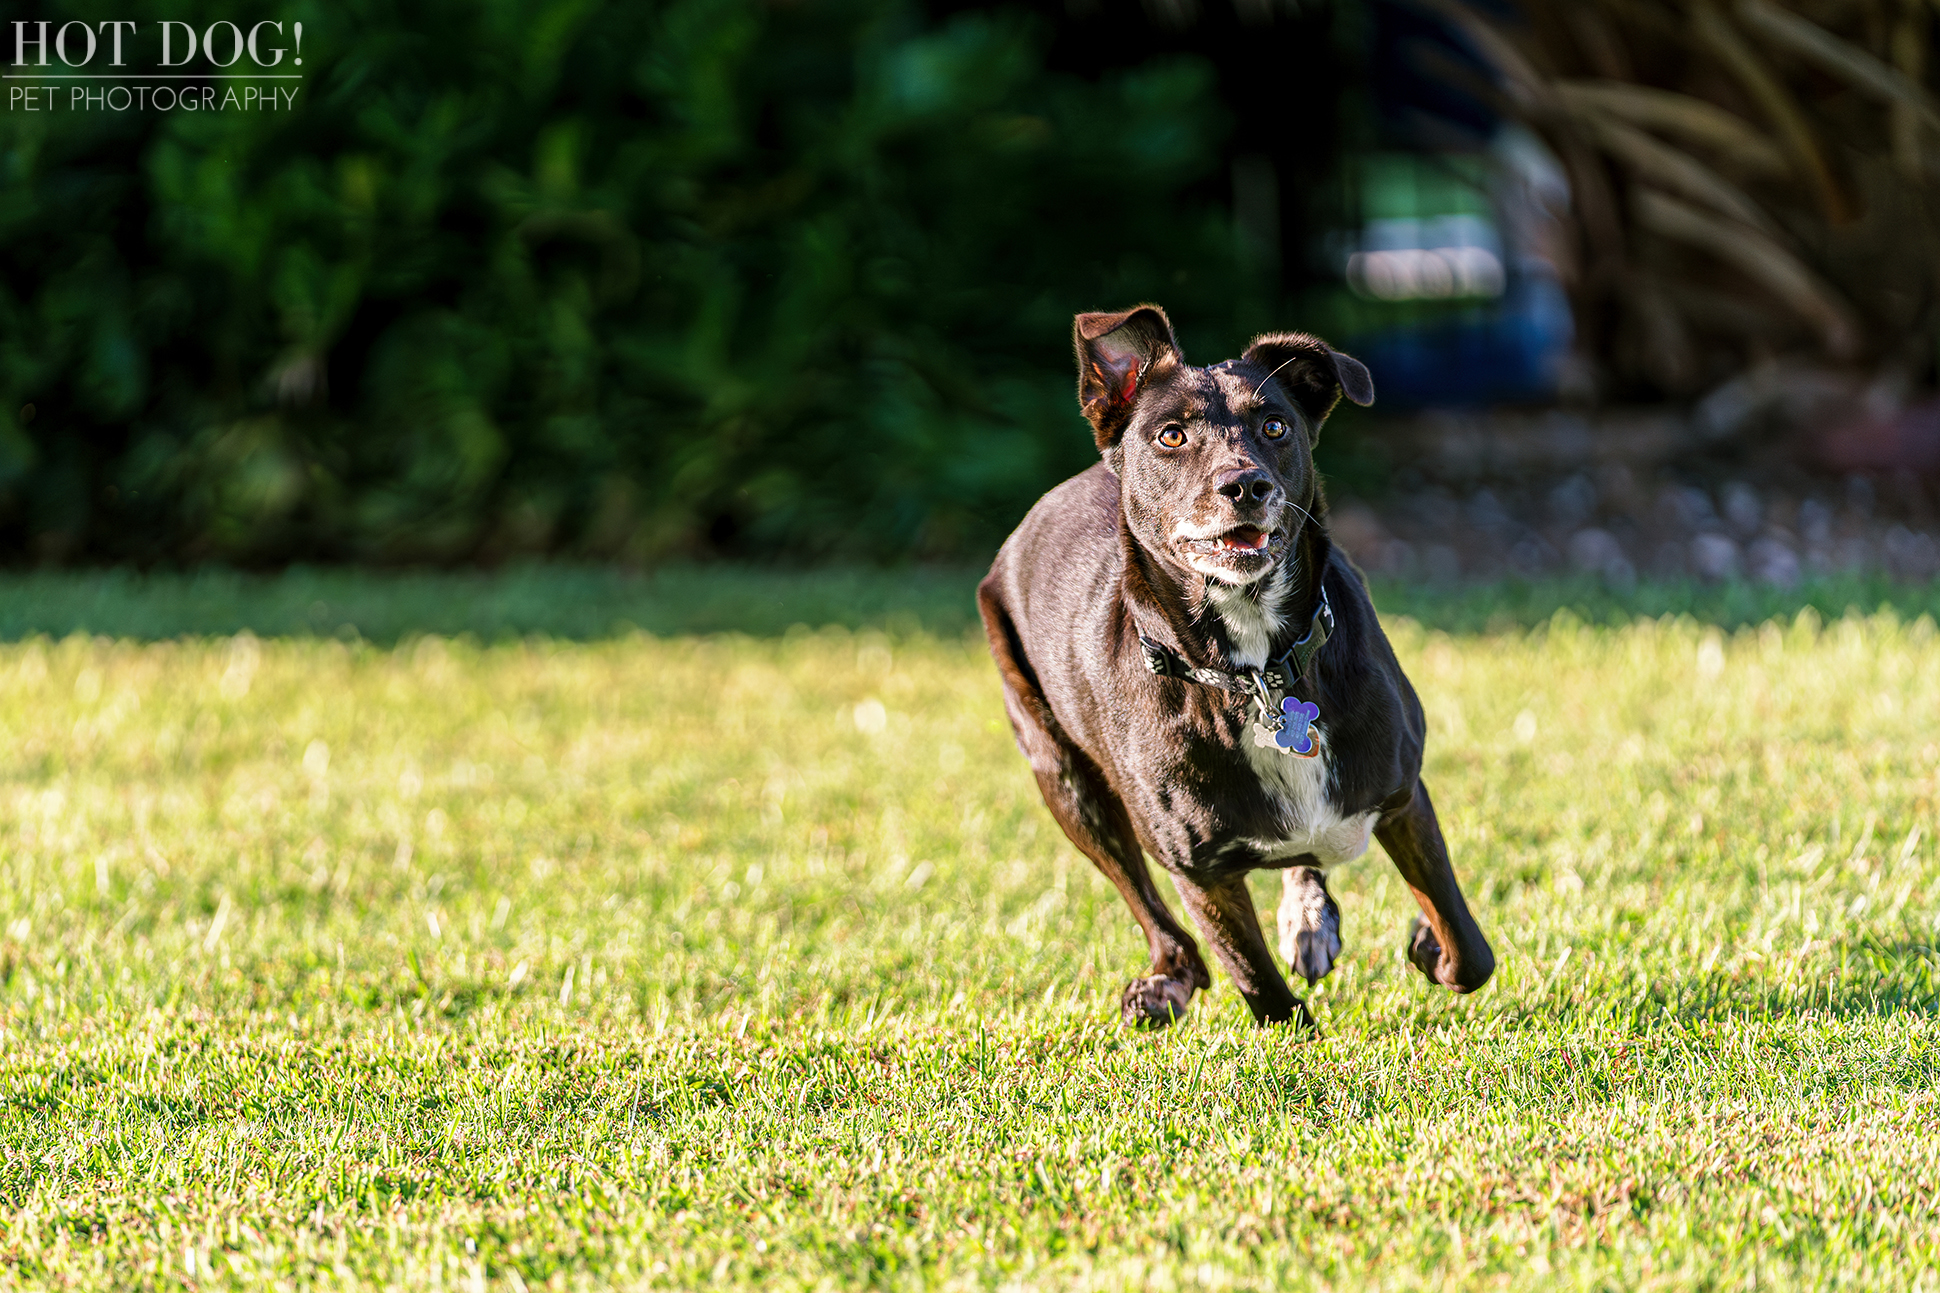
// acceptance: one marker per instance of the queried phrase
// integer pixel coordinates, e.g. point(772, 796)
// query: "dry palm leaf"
point(1524, 82)
point(1843, 60)
point(1777, 104)
point(1758, 258)
point(1909, 56)
point(1716, 151)
point(1667, 112)
point(1654, 160)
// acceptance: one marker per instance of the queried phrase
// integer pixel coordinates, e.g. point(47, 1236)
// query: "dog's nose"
point(1244, 487)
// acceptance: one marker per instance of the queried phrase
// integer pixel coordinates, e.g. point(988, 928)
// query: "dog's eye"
point(1173, 436)
point(1273, 428)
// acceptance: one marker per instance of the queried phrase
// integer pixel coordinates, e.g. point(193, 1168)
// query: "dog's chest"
point(1305, 817)
point(1297, 790)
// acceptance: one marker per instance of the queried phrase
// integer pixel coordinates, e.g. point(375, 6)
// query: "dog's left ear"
point(1118, 355)
point(1312, 373)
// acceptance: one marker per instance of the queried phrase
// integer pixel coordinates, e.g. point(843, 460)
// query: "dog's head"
point(1216, 464)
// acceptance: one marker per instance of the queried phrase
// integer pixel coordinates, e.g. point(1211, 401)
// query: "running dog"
point(1194, 671)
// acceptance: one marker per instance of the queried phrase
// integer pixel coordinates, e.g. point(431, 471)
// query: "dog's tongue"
point(1245, 539)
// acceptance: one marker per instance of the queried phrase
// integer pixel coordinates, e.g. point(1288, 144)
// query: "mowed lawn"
point(664, 962)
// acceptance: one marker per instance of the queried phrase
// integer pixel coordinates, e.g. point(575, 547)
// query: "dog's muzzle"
point(1236, 554)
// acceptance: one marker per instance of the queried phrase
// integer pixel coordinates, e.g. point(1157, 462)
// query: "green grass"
point(575, 602)
point(646, 962)
point(583, 603)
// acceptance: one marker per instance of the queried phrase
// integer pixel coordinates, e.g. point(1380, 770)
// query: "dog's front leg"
point(1223, 910)
point(1309, 923)
point(1446, 945)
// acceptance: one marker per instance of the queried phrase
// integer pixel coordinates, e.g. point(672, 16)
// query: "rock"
point(1531, 555)
point(1861, 497)
point(1715, 556)
point(1598, 552)
point(1815, 521)
point(1616, 486)
point(1485, 511)
point(1355, 526)
point(1441, 563)
point(1397, 557)
point(1684, 507)
point(1771, 560)
point(1742, 508)
point(1910, 554)
point(1572, 502)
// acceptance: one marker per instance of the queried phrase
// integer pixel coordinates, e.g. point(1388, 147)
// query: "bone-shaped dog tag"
point(1298, 736)
point(1303, 746)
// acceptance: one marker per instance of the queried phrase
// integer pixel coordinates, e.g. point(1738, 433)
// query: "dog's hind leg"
point(1094, 818)
point(1096, 821)
point(1446, 944)
point(1309, 923)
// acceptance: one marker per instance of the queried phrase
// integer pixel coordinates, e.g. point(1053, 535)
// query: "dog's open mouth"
point(1240, 541)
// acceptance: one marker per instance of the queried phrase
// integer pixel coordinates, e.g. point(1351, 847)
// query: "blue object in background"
point(1456, 301)
point(1510, 350)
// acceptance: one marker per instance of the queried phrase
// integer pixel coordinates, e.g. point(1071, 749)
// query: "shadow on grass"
point(580, 603)
point(586, 602)
point(1521, 604)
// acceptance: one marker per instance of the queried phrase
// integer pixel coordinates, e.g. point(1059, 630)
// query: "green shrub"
point(602, 278)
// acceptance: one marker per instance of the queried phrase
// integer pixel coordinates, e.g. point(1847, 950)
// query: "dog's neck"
point(1237, 628)
point(1254, 616)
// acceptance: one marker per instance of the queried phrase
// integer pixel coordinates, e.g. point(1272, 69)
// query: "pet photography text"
point(47, 72)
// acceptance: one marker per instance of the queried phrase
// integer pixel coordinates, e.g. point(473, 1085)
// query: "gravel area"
point(1626, 495)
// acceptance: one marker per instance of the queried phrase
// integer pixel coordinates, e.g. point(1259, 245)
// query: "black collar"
point(1279, 674)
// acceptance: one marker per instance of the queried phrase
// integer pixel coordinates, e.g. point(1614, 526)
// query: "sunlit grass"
point(645, 962)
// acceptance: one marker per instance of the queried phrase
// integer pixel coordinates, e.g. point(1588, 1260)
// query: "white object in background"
point(1426, 273)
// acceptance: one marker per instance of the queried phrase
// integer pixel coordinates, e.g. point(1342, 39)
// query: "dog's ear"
point(1118, 355)
point(1312, 373)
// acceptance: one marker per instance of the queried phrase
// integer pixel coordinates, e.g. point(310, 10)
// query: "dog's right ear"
point(1118, 355)
point(1312, 373)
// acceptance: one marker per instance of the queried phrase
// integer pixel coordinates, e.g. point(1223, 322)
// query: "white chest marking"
point(1309, 823)
point(1251, 624)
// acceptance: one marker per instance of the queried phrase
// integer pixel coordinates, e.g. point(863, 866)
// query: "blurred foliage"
point(608, 279)
point(1749, 179)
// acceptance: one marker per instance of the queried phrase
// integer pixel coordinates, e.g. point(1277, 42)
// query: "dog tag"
point(1297, 735)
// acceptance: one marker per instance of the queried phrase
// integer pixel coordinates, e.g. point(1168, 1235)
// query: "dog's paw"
point(1309, 924)
point(1424, 953)
point(1463, 973)
point(1314, 951)
point(1154, 1001)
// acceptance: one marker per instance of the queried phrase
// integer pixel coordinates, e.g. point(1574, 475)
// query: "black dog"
point(1168, 623)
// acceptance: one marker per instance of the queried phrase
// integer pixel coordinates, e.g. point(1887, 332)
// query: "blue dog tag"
point(1298, 735)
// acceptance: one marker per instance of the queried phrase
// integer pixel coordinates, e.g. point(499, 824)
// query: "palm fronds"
point(1750, 179)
